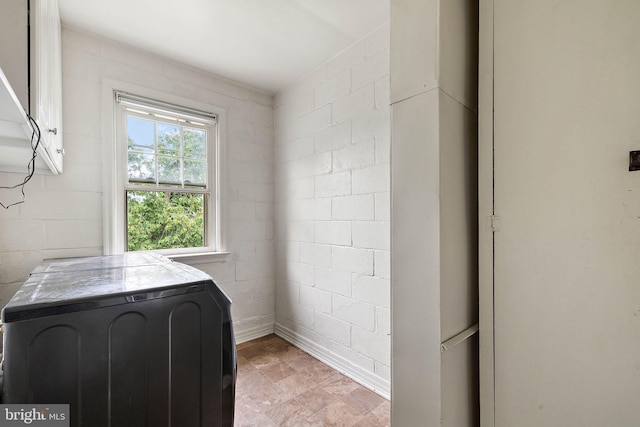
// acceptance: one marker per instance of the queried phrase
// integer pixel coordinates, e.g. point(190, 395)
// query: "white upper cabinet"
point(30, 83)
point(46, 80)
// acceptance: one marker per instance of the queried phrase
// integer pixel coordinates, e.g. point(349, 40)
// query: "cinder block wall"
point(332, 211)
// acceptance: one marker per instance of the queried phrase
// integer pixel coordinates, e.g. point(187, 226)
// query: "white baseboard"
point(339, 363)
point(253, 333)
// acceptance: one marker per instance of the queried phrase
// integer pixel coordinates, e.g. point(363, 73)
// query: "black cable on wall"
point(31, 166)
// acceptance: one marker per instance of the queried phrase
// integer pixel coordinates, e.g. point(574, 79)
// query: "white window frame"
point(115, 174)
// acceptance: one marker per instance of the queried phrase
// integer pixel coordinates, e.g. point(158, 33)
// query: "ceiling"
point(266, 44)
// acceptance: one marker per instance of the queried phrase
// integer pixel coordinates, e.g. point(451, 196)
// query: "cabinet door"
point(46, 80)
point(566, 292)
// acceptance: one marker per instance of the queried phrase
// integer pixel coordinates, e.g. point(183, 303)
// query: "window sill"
point(199, 257)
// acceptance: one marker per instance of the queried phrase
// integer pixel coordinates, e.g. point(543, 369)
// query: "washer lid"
point(74, 284)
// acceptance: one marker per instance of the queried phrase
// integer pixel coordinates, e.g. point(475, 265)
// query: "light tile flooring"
point(280, 385)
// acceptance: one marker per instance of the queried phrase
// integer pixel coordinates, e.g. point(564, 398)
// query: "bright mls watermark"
point(40, 415)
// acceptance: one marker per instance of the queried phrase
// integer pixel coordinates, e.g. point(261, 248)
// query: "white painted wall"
point(434, 211)
point(332, 211)
point(63, 214)
point(566, 295)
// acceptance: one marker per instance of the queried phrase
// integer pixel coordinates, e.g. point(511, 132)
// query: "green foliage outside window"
point(163, 220)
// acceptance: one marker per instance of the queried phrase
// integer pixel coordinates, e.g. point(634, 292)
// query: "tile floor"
point(280, 385)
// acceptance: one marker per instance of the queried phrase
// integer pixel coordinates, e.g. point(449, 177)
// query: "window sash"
point(209, 132)
point(206, 216)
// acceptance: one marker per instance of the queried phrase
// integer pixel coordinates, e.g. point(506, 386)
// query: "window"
point(166, 158)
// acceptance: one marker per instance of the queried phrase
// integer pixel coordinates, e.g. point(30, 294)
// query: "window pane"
point(195, 173)
point(139, 134)
point(141, 167)
point(168, 139)
point(194, 143)
point(169, 170)
point(164, 220)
